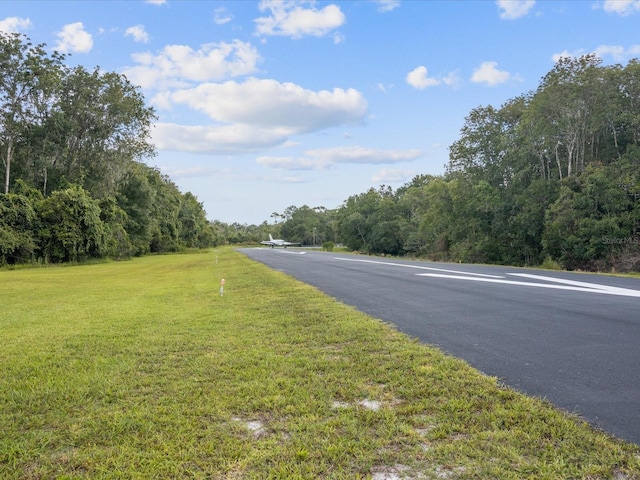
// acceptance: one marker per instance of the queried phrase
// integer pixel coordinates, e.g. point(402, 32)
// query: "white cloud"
point(290, 163)
point(138, 33)
point(387, 5)
point(622, 7)
point(451, 79)
point(338, 38)
point(74, 38)
point(319, 159)
point(176, 65)
point(392, 175)
point(289, 18)
point(617, 52)
point(254, 115)
point(512, 9)
point(489, 74)
point(274, 105)
point(15, 25)
point(221, 16)
point(566, 54)
point(156, 2)
point(419, 78)
point(214, 139)
point(364, 155)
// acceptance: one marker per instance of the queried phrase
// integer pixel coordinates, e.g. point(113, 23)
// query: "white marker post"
point(222, 287)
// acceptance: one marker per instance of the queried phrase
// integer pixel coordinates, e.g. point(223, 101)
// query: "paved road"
point(573, 339)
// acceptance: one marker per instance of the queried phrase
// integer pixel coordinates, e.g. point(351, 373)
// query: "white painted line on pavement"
point(585, 287)
point(575, 283)
point(416, 266)
point(483, 277)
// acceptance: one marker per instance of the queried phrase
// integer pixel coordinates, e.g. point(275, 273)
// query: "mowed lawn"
point(142, 370)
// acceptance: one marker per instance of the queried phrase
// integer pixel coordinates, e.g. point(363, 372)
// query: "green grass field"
point(141, 370)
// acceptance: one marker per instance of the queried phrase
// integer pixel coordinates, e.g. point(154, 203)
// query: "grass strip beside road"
point(141, 370)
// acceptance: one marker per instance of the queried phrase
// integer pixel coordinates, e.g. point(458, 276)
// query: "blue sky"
point(267, 104)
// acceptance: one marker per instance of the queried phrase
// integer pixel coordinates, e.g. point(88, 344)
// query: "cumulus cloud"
point(138, 33)
point(177, 65)
point(512, 9)
point(245, 116)
point(319, 159)
point(291, 18)
point(74, 38)
point(254, 115)
point(419, 78)
point(15, 25)
point(489, 74)
point(622, 7)
point(274, 105)
point(214, 139)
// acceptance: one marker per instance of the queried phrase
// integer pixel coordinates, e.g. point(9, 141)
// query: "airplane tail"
point(270, 237)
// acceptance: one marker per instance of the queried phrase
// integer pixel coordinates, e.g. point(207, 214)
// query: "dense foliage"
point(551, 177)
point(72, 144)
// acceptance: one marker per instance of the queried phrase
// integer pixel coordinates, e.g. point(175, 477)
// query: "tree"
point(306, 225)
point(117, 241)
point(193, 221)
point(71, 228)
point(103, 126)
point(18, 223)
point(591, 220)
point(567, 111)
point(135, 196)
point(26, 90)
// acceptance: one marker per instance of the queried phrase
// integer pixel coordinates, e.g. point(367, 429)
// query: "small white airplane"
point(277, 242)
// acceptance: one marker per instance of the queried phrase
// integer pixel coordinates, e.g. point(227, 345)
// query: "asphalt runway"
point(573, 339)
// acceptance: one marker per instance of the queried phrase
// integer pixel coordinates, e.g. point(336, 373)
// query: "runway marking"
point(564, 284)
point(280, 250)
point(415, 266)
point(556, 283)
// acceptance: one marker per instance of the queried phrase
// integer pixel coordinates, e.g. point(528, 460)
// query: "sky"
point(263, 105)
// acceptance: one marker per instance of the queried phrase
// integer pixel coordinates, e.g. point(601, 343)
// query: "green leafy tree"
point(26, 90)
point(135, 196)
point(590, 221)
point(306, 225)
point(117, 242)
point(165, 213)
point(103, 125)
point(71, 228)
point(18, 223)
point(195, 230)
point(372, 222)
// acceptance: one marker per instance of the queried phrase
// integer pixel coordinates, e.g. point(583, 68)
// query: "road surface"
point(571, 338)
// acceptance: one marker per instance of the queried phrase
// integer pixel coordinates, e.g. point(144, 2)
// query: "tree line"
point(73, 144)
point(551, 178)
